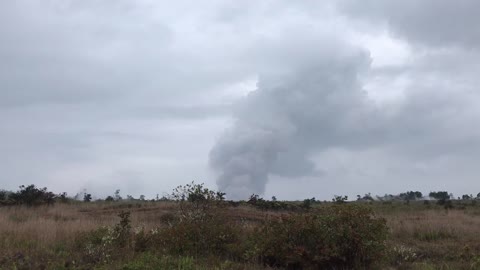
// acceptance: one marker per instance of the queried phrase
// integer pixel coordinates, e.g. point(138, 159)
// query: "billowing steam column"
point(309, 101)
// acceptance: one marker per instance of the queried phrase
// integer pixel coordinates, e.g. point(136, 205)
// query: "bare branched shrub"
point(197, 202)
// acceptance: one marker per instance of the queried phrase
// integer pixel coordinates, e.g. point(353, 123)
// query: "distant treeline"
point(417, 195)
point(33, 196)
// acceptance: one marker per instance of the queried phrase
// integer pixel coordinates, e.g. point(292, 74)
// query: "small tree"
point(440, 195)
point(87, 197)
point(117, 195)
point(200, 228)
point(31, 196)
point(366, 197)
point(411, 195)
point(339, 199)
point(3, 195)
point(122, 229)
point(307, 203)
point(62, 197)
point(254, 198)
point(196, 201)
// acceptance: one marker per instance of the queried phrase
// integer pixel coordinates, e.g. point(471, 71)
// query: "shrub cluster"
point(208, 237)
point(411, 195)
point(440, 195)
point(307, 203)
point(4, 196)
point(200, 227)
point(337, 236)
point(32, 196)
point(260, 203)
point(104, 243)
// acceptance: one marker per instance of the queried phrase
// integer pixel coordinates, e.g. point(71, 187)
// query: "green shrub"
point(97, 245)
point(122, 230)
point(144, 240)
point(307, 203)
point(105, 242)
point(340, 199)
point(260, 203)
point(338, 236)
point(200, 226)
point(152, 262)
point(440, 195)
point(208, 236)
point(197, 202)
point(3, 195)
point(411, 195)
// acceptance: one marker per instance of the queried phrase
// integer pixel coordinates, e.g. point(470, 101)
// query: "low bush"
point(334, 236)
point(201, 227)
point(400, 255)
point(262, 204)
point(307, 203)
point(98, 245)
point(102, 244)
point(338, 236)
point(208, 237)
point(3, 195)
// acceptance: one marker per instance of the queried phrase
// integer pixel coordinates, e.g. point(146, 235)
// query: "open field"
point(420, 236)
point(440, 239)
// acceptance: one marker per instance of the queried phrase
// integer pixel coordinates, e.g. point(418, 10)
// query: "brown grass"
point(61, 223)
point(438, 236)
point(458, 223)
point(441, 239)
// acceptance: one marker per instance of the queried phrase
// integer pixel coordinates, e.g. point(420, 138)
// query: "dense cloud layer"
point(285, 98)
point(426, 22)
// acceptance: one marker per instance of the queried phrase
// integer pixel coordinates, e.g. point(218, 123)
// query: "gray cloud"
point(134, 95)
point(432, 23)
point(75, 75)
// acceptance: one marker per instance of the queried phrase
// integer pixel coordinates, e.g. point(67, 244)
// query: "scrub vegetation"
point(196, 228)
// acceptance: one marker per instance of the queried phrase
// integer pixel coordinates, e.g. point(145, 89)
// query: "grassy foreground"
point(158, 235)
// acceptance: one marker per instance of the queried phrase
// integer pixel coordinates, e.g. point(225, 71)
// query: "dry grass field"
point(420, 236)
point(49, 233)
point(439, 238)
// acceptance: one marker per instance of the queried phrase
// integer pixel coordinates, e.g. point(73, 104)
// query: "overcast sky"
point(288, 98)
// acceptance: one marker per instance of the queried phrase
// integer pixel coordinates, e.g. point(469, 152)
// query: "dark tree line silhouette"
point(31, 195)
